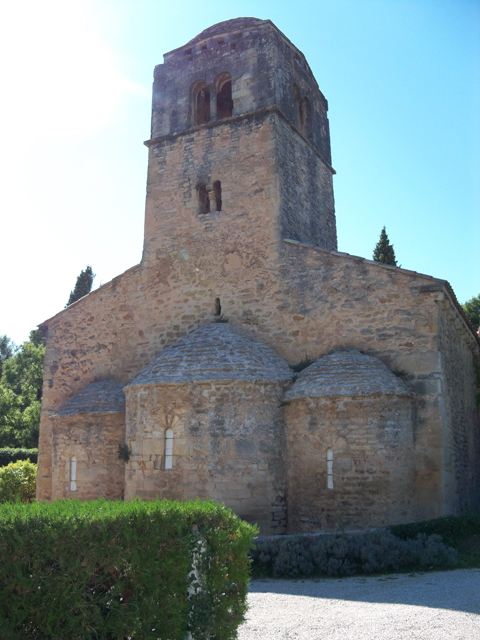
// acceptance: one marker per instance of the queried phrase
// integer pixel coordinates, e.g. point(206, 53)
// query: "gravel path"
point(423, 606)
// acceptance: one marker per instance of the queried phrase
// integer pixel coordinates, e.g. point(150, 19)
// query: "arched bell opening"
point(224, 96)
point(201, 103)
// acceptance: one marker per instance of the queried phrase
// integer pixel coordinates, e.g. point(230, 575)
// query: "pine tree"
point(383, 251)
point(83, 286)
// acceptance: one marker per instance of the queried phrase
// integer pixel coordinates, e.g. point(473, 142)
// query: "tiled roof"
point(217, 352)
point(105, 396)
point(346, 373)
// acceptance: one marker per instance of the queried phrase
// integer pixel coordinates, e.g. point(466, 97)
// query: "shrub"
point(341, 555)
point(451, 528)
point(18, 481)
point(114, 570)
point(8, 455)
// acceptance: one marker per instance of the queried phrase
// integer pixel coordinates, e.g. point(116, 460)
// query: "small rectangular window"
point(329, 469)
point(73, 474)
point(169, 449)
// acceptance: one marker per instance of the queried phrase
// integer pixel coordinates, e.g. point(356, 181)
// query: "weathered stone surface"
point(229, 445)
point(346, 373)
point(93, 440)
point(218, 352)
point(105, 396)
point(266, 254)
point(373, 468)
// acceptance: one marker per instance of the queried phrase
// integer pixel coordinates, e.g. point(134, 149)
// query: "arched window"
point(224, 96)
point(297, 100)
point(201, 102)
point(329, 469)
point(303, 116)
point(73, 474)
point(203, 199)
point(217, 192)
point(168, 449)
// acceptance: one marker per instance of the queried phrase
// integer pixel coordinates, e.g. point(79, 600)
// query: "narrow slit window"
point(203, 200)
point(169, 449)
point(224, 96)
point(73, 474)
point(217, 191)
point(218, 307)
point(329, 469)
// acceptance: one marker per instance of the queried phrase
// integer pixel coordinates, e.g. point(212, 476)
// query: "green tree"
point(383, 251)
point(83, 286)
point(36, 337)
point(18, 481)
point(472, 309)
point(20, 396)
point(7, 350)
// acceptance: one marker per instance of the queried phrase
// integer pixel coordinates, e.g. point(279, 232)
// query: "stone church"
point(246, 359)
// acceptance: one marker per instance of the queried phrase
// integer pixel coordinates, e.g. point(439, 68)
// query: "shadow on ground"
point(457, 590)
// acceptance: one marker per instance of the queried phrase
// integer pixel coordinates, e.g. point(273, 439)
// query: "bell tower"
point(239, 148)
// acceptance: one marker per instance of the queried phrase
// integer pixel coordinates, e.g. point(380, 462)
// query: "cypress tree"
point(83, 286)
point(383, 251)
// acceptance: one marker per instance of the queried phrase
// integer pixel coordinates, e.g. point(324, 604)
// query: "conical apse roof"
point(346, 373)
point(105, 396)
point(217, 352)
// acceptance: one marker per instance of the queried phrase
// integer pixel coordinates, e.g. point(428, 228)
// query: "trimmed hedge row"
point(8, 455)
point(344, 555)
point(116, 570)
point(451, 528)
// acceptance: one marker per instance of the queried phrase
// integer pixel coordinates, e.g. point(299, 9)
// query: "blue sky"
point(402, 78)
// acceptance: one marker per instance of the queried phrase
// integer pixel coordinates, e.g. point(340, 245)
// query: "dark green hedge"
point(14, 455)
point(114, 570)
point(451, 528)
point(346, 555)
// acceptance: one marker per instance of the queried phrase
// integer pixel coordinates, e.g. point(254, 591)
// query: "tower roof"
point(225, 27)
point(105, 396)
point(346, 373)
point(216, 352)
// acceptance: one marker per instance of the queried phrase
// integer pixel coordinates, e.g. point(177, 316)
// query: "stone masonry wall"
point(462, 423)
point(310, 304)
point(93, 439)
point(392, 314)
point(189, 260)
point(264, 66)
point(241, 155)
point(229, 445)
point(307, 210)
point(302, 301)
point(373, 464)
point(300, 74)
